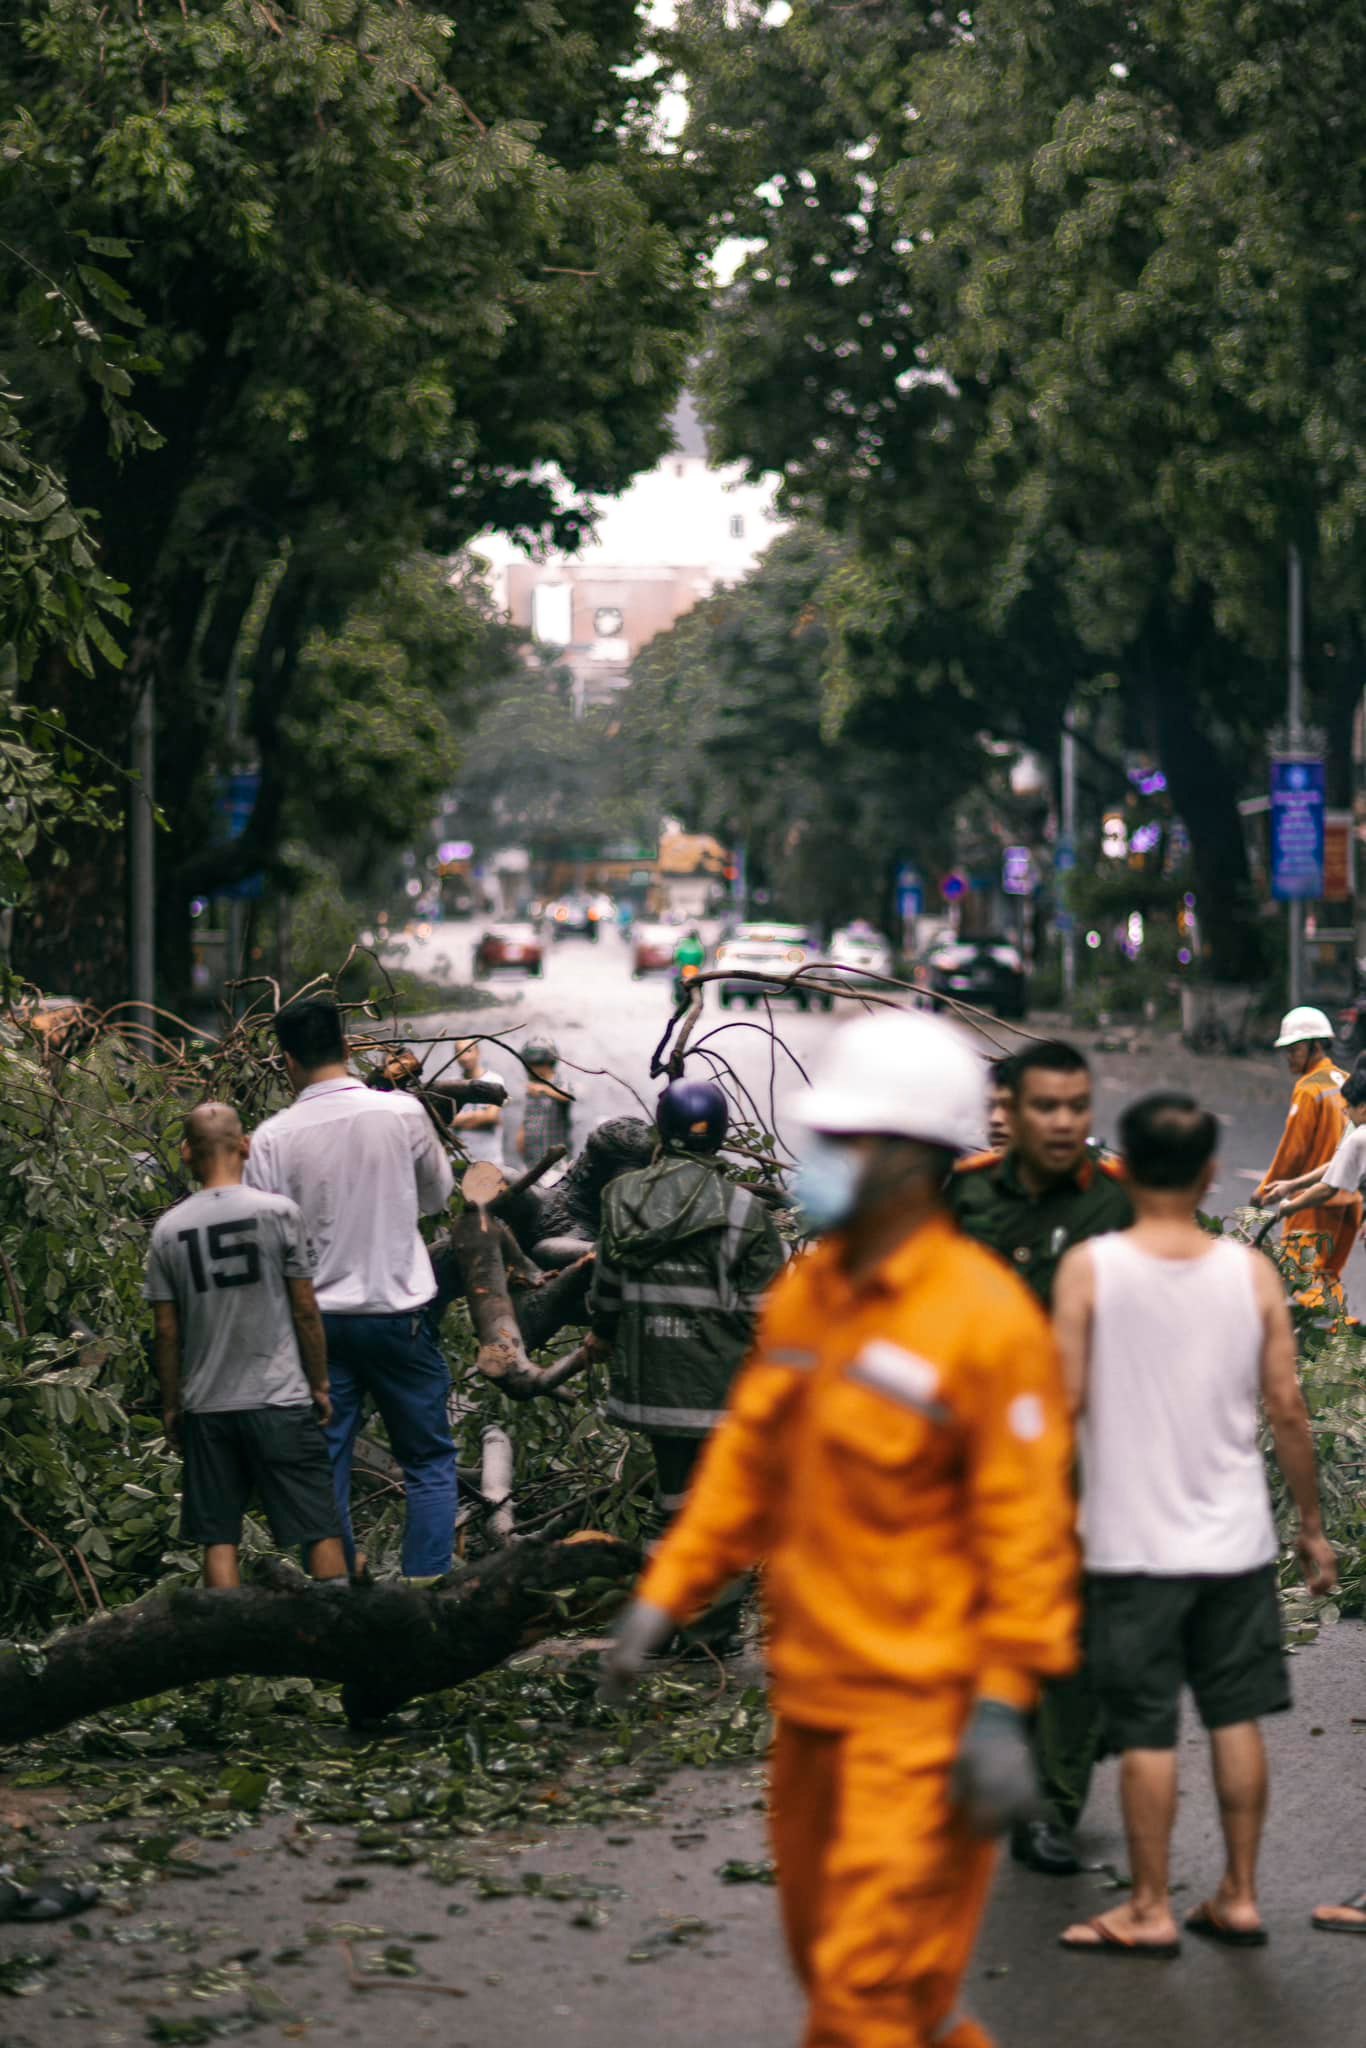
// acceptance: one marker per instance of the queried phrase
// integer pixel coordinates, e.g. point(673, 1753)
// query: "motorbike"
point(684, 977)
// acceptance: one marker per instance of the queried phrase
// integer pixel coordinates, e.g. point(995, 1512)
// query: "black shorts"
point(1146, 1637)
point(280, 1454)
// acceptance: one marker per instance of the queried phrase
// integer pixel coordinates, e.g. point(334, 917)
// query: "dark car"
point(987, 972)
point(571, 917)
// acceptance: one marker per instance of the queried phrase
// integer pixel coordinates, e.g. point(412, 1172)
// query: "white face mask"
point(826, 1185)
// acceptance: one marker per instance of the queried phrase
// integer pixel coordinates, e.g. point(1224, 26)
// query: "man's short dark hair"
point(1004, 1073)
point(1045, 1056)
point(1354, 1087)
point(310, 1031)
point(1167, 1140)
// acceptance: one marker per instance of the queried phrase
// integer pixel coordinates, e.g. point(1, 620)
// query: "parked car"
point(509, 945)
point(571, 917)
point(652, 949)
point(777, 949)
point(987, 972)
point(859, 946)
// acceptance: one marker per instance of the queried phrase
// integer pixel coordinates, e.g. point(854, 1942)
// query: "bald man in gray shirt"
point(241, 1358)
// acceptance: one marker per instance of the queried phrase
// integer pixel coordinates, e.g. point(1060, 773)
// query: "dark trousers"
point(1067, 1743)
point(675, 1462)
point(396, 1361)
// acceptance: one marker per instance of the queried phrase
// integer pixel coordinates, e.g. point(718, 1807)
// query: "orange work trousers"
point(1323, 1246)
point(882, 1888)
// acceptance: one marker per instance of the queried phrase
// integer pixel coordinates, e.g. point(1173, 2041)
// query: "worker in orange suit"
point(1320, 1240)
point(897, 1455)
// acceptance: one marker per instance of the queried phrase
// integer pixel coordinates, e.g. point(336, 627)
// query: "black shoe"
point(1045, 1846)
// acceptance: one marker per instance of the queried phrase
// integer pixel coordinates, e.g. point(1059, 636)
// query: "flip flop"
point(1356, 1904)
point(1110, 1942)
point(1209, 1924)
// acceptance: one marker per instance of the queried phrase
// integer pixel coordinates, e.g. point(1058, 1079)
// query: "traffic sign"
point(953, 885)
point(1064, 854)
point(1298, 795)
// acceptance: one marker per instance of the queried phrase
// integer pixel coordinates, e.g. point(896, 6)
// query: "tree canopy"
point(377, 276)
point(1052, 312)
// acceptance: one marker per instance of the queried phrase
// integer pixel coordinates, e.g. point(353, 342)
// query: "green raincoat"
point(684, 1257)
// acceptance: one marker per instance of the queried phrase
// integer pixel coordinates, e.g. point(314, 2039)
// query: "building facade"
point(681, 531)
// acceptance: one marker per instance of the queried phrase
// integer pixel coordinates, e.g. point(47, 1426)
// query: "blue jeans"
point(396, 1361)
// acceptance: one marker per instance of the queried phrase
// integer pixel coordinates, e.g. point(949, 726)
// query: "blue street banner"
point(1064, 854)
point(1017, 871)
point(235, 800)
point(910, 893)
point(1297, 830)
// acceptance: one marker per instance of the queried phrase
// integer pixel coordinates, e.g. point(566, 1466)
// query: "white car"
point(776, 949)
point(858, 946)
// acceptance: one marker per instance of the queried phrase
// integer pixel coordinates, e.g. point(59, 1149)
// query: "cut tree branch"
point(385, 1643)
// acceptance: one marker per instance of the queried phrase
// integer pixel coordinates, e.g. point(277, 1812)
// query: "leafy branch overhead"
point(401, 276)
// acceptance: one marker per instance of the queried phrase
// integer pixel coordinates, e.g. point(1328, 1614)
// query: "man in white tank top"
point(1170, 1338)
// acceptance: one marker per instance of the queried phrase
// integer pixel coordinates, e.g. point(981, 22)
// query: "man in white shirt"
point(362, 1166)
point(480, 1127)
point(1170, 1337)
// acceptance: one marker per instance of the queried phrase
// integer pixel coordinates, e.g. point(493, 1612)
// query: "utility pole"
point(1069, 840)
point(1294, 718)
point(142, 858)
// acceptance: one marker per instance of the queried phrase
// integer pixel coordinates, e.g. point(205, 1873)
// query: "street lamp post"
point(1294, 718)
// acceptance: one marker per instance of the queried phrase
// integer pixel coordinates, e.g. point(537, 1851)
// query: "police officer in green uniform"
point(685, 1255)
point(1047, 1191)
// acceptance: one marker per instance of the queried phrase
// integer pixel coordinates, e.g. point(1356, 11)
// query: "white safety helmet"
point(901, 1074)
point(1301, 1026)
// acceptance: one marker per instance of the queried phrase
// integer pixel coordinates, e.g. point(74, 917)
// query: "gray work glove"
point(994, 1778)
point(643, 1629)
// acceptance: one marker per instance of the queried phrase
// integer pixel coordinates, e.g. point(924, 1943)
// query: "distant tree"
point(381, 276)
point(730, 722)
point(1056, 308)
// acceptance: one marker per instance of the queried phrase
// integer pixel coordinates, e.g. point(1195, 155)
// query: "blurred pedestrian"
point(1339, 1182)
point(1048, 1190)
point(546, 1114)
point(362, 1166)
point(241, 1358)
point(1001, 1105)
point(898, 1455)
point(1170, 1338)
point(1319, 1239)
point(684, 1257)
point(480, 1127)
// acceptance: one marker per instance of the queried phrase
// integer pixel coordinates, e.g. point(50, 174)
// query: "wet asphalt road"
point(532, 1972)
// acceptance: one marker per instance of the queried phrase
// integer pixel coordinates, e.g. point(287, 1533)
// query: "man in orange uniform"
point(1321, 1239)
point(897, 1454)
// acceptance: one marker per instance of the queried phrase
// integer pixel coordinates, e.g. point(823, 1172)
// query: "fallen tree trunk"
point(542, 1312)
point(483, 1249)
point(385, 1643)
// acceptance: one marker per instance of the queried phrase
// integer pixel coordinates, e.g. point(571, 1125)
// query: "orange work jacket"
point(899, 1456)
point(1314, 1129)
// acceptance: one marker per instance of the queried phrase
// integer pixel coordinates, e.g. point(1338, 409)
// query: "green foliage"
point(1056, 319)
point(402, 275)
point(534, 775)
point(371, 732)
point(45, 785)
point(730, 723)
